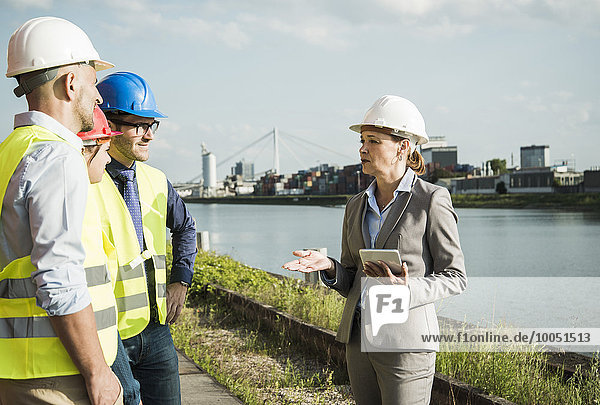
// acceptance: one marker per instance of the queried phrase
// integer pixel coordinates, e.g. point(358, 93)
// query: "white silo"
point(209, 168)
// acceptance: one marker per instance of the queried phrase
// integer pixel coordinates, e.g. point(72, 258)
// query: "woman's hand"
point(309, 261)
point(382, 269)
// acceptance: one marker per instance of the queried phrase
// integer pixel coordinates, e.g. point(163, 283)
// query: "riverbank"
point(321, 200)
point(575, 202)
point(519, 377)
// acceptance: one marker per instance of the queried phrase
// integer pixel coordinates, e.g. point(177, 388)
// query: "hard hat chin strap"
point(35, 81)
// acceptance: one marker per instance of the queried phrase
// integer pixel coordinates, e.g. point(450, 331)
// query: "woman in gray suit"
point(397, 211)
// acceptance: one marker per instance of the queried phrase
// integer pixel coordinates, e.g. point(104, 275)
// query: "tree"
point(439, 173)
point(498, 166)
point(501, 188)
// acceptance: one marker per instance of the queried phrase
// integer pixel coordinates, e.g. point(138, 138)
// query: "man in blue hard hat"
point(138, 204)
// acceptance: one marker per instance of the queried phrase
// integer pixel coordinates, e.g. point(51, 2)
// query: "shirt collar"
point(114, 168)
point(405, 186)
point(44, 120)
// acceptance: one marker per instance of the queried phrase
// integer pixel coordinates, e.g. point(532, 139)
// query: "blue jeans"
point(122, 369)
point(154, 364)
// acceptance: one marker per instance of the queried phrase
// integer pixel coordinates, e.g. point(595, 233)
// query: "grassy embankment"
point(583, 202)
point(520, 377)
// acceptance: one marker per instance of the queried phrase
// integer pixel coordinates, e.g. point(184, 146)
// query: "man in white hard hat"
point(50, 341)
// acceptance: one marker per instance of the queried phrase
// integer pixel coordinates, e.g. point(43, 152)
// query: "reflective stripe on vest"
point(131, 289)
point(40, 326)
point(28, 343)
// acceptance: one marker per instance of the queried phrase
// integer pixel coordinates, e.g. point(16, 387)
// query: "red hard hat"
point(101, 127)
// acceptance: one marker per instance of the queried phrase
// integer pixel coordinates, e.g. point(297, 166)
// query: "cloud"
point(562, 95)
point(411, 7)
point(313, 32)
point(337, 24)
point(141, 15)
point(527, 83)
point(519, 98)
point(533, 104)
point(445, 29)
point(229, 33)
point(572, 116)
point(561, 110)
point(169, 126)
point(463, 16)
point(25, 4)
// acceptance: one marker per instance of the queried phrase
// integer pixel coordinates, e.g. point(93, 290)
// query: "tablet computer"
point(386, 255)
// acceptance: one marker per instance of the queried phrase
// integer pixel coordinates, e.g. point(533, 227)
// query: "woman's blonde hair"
point(414, 159)
point(416, 162)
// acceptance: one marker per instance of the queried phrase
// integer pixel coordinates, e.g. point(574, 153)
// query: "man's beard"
point(126, 147)
point(86, 116)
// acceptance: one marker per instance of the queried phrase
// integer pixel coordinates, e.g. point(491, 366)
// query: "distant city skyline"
point(490, 76)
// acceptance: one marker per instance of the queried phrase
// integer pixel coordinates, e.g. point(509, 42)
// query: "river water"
point(526, 268)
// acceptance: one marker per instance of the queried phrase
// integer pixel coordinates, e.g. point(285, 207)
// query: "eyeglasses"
point(141, 128)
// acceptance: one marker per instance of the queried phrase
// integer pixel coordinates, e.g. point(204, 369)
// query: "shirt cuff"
point(180, 273)
point(63, 301)
point(329, 282)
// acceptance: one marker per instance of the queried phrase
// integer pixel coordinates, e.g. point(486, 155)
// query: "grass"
point(259, 366)
point(521, 377)
point(315, 305)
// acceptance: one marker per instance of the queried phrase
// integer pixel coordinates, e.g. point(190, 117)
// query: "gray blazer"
point(421, 224)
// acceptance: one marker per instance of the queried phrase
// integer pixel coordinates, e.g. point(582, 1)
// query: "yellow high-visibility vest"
point(131, 289)
point(29, 347)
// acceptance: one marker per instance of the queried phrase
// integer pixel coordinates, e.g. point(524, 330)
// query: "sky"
point(489, 75)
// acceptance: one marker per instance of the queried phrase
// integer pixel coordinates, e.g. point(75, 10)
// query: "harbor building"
point(244, 169)
point(209, 172)
point(535, 156)
point(439, 155)
point(591, 180)
point(532, 180)
point(321, 180)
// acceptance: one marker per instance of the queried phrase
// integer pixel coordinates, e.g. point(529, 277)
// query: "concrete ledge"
point(322, 342)
point(318, 340)
point(447, 390)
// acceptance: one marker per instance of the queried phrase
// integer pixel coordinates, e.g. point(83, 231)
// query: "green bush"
point(313, 304)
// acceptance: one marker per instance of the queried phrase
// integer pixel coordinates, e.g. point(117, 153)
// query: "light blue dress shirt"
point(42, 216)
point(375, 217)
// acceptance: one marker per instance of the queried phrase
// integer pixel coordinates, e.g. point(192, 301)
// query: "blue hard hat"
point(128, 92)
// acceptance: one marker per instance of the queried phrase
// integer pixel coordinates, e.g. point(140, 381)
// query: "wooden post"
point(314, 277)
point(203, 240)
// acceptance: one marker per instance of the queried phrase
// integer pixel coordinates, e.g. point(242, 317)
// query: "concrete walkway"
point(199, 388)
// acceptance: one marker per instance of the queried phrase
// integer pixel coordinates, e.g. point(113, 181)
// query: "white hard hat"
point(398, 114)
point(49, 42)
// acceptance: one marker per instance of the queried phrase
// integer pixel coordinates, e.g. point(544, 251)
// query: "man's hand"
point(77, 332)
point(104, 388)
point(175, 300)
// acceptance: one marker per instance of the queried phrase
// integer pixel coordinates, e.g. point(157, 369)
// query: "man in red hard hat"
point(56, 334)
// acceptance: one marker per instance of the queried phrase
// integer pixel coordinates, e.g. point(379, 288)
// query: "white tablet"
point(373, 255)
